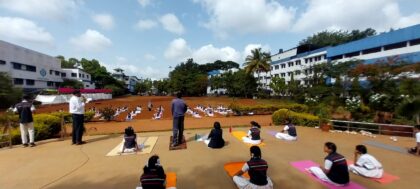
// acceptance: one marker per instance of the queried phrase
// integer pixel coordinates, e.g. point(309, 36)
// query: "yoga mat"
point(386, 146)
point(272, 133)
point(386, 177)
point(180, 146)
point(239, 134)
point(234, 167)
point(148, 143)
point(201, 137)
point(303, 165)
point(170, 181)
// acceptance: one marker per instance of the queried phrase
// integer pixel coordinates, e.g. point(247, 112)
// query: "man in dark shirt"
point(24, 109)
point(178, 111)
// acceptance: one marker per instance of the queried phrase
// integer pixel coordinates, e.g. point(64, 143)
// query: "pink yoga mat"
point(302, 165)
point(272, 133)
point(386, 178)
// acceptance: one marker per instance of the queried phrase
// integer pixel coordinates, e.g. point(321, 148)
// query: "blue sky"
point(145, 37)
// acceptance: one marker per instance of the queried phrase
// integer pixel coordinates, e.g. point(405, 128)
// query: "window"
point(2, 62)
point(297, 72)
point(283, 74)
point(283, 66)
point(87, 85)
point(83, 75)
point(51, 72)
point(297, 62)
point(50, 84)
point(30, 82)
point(310, 59)
point(306, 60)
point(415, 42)
point(63, 74)
point(87, 76)
point(290, 64)
point(395, 46)
point(276, 75)
point(17, 66)
point(18, 81)
point(289, 73)
point(30, 68)
point(276, 67)
point(80, 75)
point(73, 75)
point(372, 50)
point(57, 73)
point(352, 54)
point(337, 57)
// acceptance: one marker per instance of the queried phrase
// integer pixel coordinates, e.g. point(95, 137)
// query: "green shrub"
point(303, 119)
point(66, 115)
point(268, 109)
point(107, 113)
point(46, 126)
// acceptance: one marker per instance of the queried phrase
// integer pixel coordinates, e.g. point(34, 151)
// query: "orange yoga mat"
point(234, 167)
point(170, 179)
point(239, 134)
point(386, 178)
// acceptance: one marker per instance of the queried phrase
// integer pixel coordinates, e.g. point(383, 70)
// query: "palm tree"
point(258, 62)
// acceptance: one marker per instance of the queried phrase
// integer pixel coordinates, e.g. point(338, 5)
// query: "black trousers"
point(78, 120)
point(178, 129)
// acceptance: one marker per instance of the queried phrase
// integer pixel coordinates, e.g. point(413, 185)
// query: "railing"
point(378, 128)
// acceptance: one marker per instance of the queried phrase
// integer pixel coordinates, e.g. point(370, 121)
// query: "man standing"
point(77, 109)
point(24, 109)
point(178, 110)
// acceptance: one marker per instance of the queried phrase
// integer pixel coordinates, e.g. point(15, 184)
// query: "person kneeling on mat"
point(215, 138)
point(253, 136)
point(130, 141)
point(416, 150)
point(257, 170)
point(366, 165)
point(153, 176)
point(291, 132)
point(335, 169)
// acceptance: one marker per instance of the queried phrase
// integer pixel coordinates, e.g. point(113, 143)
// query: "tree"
point(71, 83)
point(278, 85)
point(333, 38)
point(219, 65)
point(257, 62)
point(189, 78)
point(65, 63)
point(9, 95)
point(240, 84)
point(143, 86)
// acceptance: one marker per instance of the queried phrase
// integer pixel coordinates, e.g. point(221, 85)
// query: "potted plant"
point(325, 124)
point(324, 118)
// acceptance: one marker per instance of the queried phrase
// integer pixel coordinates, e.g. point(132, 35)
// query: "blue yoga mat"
point(386, 146)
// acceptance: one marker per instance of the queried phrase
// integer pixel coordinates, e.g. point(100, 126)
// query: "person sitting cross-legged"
point(130, 141)
point(291, 132)
point(257, 170)
point(153, 176)
point(365, 164)
point(215, 138)
point(253, 136)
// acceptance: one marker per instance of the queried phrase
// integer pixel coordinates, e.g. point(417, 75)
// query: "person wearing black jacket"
point(215, 138)
point(24, 109)
point(153, 176)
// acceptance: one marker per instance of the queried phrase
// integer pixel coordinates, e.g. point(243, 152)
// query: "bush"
point(46, 126)
point(268, 109)
point(89, 116)
point(66, 115)
point(304, 119)
point(107, 113)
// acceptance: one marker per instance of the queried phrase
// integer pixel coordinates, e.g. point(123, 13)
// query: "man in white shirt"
point(77, 109)
point(416, 150)
point(365, 164)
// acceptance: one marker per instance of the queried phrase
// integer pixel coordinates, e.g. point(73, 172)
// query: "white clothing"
point(76, 105)
point(25, 129)
point(367, 166)
point(328, 164)
point(207, 141)
point(418, 137)
point(321, 175)
point(243, 183)
point(284, 136)
point(250, 141)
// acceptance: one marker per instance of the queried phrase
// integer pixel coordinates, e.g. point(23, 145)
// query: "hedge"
point(68, 118)
point(303, 119)
point(267, 109)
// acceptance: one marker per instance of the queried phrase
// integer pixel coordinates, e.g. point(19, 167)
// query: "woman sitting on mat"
point(253, 136)
point(130, 141)
point(366, 165)
point(257, 170)
point(335, 169)
point(215, 138)
point(291, 131)
point(153, 176)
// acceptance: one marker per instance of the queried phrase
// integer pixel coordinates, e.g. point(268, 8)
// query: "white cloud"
point(91, 40)
point(144, 3)
point(209, 53)
point(177, 50)
point(238, 16)
point(149, 57)
point(355, 14)
point(145, 24)
point(136, 70)
point(106, 21)
point(171, 23)
point(49, 9)
point(24, 30)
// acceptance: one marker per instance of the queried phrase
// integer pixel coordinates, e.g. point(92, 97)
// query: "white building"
point(79, 75)
point(29, 69)
point(217, 73)
point(129, 81)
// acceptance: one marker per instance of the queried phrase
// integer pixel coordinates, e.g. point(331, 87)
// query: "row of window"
point(19, 81)
point(20, 66)
point(298, 62)
point(378, 49)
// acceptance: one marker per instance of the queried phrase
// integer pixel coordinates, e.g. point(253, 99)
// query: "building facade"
point(129, 81)
point(79, 75)
point(397, 46)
